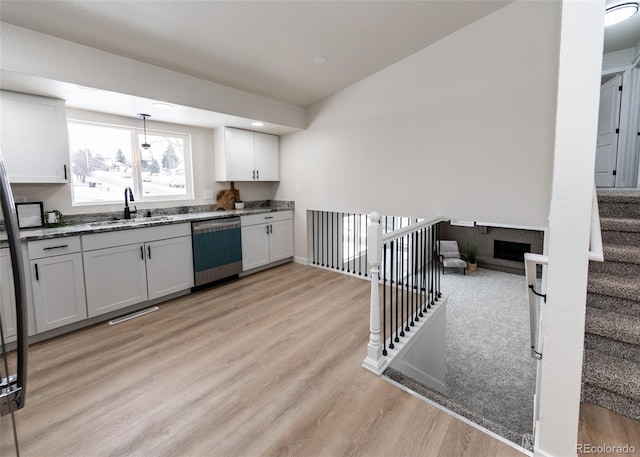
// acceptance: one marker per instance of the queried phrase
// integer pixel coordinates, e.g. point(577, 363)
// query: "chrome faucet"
point(127, 211)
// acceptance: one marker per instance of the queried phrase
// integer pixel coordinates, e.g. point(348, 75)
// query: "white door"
point(280, 240)
point(115, 278)
point(239, 153)
point(169, 266)
point(608, 124)
point(255, 246)
point(266, 157)
point(58, 291)
point(7, 295)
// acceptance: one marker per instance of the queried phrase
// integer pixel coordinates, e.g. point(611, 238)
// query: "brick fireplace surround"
point(484, 237)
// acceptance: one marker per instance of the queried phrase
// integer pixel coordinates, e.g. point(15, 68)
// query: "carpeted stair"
point(611, 370)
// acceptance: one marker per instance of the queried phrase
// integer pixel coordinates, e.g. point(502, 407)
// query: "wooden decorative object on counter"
point(227, 198)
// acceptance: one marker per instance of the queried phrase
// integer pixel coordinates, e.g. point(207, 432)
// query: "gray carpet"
point(490, 375)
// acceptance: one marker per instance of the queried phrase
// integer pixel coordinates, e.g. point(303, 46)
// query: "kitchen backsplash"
point(74, 219)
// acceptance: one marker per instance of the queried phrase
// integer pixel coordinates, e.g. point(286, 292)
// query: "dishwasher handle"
point(201, 226)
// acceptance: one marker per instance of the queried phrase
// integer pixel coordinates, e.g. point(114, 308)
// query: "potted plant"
point(472, 251)
point(239, 204)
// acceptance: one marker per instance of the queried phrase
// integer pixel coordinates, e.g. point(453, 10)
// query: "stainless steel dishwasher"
point(217, 249)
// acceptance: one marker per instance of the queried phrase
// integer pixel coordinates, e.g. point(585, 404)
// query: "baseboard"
point(301, 260)
point(419, 376)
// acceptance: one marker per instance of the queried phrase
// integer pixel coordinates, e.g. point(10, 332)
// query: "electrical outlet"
point(297, 188)
point(208, 194)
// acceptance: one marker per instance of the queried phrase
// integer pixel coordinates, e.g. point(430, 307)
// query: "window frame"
point(136, 156)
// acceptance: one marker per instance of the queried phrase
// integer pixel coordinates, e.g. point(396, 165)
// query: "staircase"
point(611, 370)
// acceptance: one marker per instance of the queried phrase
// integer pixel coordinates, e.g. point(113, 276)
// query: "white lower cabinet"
point(169, 266)
point(7, 296)
point(57, 282)
point(266, 238)
point(117, 276)
point(255, 246)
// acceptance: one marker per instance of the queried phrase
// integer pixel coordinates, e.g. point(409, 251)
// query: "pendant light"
point(146, 146)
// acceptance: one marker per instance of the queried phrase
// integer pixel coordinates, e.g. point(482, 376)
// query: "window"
point(105, 159)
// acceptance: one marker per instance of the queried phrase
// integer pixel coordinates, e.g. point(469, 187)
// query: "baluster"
point(313, 237)
point(401, 286)
point(405, 280)
point(391, 257)
point(322, 234)
point(384, 298)
point(374, 361)
point(420, 270)
point(331, 240)
point(433, 262)
point(342, 240)
point(438, 293)
point(366, 243)
point(416, 307)
point(397, 266)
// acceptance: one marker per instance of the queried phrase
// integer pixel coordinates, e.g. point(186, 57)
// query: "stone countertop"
point(134, 223)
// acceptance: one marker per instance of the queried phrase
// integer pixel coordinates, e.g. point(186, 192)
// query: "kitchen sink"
point(136, 220)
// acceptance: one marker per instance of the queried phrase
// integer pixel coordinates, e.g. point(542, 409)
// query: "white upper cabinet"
point(243, 155)
point(34, 138)
point(266, 157)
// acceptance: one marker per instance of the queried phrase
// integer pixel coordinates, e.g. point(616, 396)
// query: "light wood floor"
point(268, 365)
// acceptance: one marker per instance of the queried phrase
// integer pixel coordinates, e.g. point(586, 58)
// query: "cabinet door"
point(58, 291)
point(34, 138)
point(255, 246)
point(266, 157)
point(115, 278)
point(169, 266)
point(281, 240)
point(239, 154)
point(7, 295)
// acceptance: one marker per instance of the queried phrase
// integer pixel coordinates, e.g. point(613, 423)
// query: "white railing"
point(532, 260)
point(405, 263)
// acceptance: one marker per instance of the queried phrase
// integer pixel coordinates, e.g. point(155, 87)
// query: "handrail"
point(407, 259)
point(390, 236)
point(596, 254)
point(530, 262)
point(595, 239)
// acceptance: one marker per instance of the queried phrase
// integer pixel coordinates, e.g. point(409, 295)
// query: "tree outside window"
point(105, 159)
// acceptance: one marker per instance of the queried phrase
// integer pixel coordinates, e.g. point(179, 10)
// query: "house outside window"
point(105, 159)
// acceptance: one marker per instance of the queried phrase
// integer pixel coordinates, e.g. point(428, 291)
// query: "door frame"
point(628, 155)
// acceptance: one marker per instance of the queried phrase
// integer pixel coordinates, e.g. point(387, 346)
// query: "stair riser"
point(616, 268)
point(621, 405)
point(611, 290)
point(612, 347)
point(618, 305)
point(617, 238)
point(611, 209)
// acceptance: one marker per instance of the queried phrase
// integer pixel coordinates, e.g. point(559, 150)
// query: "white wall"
point(36, 54)
point(622, 58)
point(58, 196)
point(463, 128)
point(569, 227)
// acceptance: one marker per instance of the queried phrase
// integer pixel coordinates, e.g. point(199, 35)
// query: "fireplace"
point(509, 250)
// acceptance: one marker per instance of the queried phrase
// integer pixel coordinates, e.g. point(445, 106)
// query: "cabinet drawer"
point(264, 218)
point(133, 236)
point(55, 246)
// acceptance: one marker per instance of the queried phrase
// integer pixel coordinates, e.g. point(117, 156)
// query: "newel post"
point(374, 361)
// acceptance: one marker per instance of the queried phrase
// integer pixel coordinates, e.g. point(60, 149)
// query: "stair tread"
point(619, 196)
point(622, 253)
point(615, 374)
point(620, 327)
point(620, 224)
point(627, 286)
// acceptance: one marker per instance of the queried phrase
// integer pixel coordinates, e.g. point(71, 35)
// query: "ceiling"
point(263, 47)
point(623, 35)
